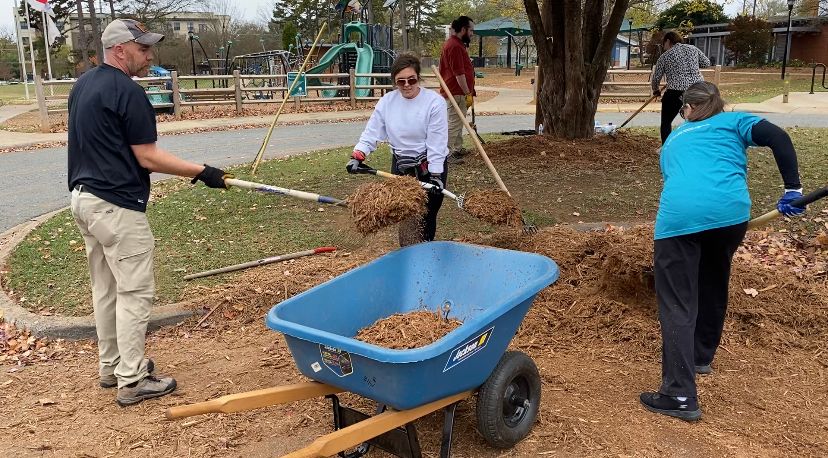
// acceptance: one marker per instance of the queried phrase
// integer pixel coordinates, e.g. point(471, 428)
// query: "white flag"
point(53, 30)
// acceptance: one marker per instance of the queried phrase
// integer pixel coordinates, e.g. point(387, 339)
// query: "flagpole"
point(46, 44)
point(31, 48)
point(21, 55)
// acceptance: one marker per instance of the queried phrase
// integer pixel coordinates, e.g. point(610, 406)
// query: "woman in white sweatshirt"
point(413, 120)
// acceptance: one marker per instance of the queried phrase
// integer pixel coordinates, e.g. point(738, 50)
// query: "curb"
point(65, 327)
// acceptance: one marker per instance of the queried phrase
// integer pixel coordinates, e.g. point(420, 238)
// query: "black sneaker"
point(704, 369)
point(147, 388)
point(687, 410)
point(110, 381)
point(454, 159)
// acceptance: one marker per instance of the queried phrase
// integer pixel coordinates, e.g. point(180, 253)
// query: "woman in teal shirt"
point(702, 218)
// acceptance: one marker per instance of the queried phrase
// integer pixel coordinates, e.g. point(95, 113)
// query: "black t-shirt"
point(108, 111)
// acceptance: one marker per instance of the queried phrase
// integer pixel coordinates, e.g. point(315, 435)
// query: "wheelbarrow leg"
point(337, 441)
point(448, 428)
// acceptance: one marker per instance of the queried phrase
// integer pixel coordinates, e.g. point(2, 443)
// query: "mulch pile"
point(606, 294)
point(623, 150)
point(382, 203)
point(493, 207)
point(404, 331)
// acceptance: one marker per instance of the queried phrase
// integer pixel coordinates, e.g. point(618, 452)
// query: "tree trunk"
point(96, 31)
point(112, 9)
point(84, 45)
point(404, 25)
point(573, 55)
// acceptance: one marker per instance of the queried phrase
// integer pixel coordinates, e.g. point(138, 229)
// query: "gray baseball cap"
point(124, 30)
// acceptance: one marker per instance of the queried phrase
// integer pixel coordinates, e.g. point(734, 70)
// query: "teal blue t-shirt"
point(704, 166)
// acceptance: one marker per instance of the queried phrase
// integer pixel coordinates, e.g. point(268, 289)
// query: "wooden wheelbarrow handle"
point(253, 399)
point(801, 202)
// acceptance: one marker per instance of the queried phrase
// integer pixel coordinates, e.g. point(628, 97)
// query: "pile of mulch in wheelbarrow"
point(383, 203)
point(404, 331)
point(494, 207)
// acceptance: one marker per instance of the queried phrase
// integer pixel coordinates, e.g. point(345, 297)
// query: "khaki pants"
point(119, 248)
point(455, 124)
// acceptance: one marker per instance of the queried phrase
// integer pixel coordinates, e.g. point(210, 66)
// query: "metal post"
point(629, 44)
point(717, 75)
point(192, 53)
point(21, 55)
point(509, 51)
point(787, 39)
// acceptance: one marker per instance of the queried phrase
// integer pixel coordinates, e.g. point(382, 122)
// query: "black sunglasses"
point(411, 80)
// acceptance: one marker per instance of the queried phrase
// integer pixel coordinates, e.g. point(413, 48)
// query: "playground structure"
point(365, 48)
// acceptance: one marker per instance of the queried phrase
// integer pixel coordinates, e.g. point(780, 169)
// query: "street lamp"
point(787, 38)
point(191, 37)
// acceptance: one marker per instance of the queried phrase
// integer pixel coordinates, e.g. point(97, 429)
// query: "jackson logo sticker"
point(468, 349)
point(338, 361)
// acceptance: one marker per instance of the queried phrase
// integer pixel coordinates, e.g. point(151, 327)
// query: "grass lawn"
point(758, 88)
point(16, 93)
point(197, 228)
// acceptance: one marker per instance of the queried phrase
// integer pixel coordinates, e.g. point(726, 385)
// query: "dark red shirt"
point(454, 60)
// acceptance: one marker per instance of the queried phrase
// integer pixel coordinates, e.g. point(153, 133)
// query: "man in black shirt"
point(112, 151)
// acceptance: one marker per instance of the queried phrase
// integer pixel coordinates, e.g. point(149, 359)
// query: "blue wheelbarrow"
point(488, 289)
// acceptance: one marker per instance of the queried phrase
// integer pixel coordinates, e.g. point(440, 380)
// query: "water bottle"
point(609, 128)
point(540, 129)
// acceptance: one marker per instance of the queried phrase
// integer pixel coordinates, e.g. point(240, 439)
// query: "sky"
point(249, 10)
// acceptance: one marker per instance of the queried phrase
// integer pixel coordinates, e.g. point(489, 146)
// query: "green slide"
point(364, 64)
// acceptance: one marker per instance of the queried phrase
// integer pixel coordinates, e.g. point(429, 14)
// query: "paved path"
point(35, 181)
point(9, 111)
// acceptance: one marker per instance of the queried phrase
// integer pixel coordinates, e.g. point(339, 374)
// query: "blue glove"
point(784, 205)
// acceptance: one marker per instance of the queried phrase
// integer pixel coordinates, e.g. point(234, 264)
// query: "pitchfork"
point(461, 199)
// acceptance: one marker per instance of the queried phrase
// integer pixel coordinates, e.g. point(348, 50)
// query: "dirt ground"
point(594, 335)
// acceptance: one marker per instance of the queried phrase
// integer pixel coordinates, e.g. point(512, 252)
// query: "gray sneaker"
point(147, 388)
point(110, 381)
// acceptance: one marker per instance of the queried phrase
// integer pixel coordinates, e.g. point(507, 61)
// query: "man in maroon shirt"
point(458, 73)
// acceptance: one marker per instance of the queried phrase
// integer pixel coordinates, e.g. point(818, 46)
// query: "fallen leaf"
point(751, 292)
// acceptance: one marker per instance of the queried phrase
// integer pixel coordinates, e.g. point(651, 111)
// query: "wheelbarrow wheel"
point(507, 404)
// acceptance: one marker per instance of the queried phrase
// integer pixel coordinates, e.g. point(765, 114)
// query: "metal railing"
point(813, 77)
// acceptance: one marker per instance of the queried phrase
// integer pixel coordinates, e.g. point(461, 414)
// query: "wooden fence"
point(236, 89)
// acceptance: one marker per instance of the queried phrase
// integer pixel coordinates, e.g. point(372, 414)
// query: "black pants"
point(691, 277)
point(671, 103)
point(428, 225)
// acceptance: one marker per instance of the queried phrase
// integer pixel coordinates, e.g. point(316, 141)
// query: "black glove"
point(356, 160)
point(657, 93)
point(437, 184)
point(212, 177)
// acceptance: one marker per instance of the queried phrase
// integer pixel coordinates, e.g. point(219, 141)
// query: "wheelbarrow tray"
point(488, 289)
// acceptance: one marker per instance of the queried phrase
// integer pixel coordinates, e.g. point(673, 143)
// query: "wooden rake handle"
point(801, 202)
point(471, 131)
point(640, 108)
